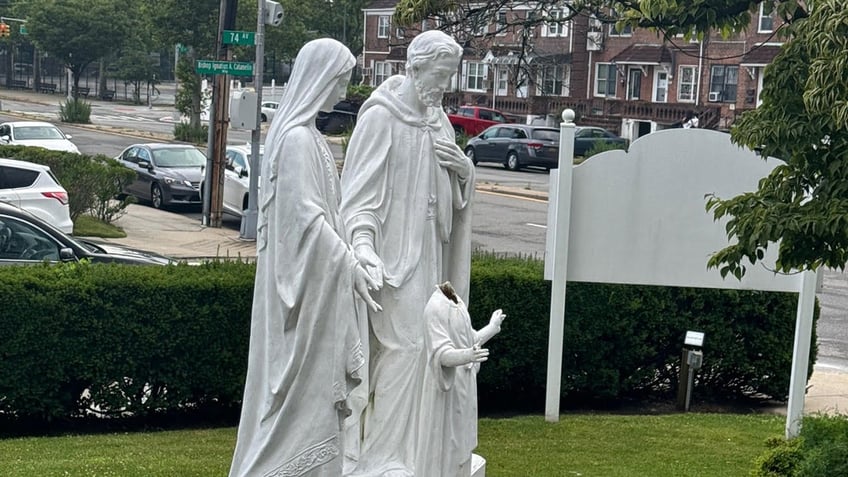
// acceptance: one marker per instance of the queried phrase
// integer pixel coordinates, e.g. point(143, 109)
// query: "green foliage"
point(78, 32)
point(176, 337)
point(358, 93)
point(600, 147)
point(91, 181)
point(804, 121)
point(185, 132)
point(88, 226)
point(780, 460)
point(75, 110)
point(462, 140)
point(820, 449)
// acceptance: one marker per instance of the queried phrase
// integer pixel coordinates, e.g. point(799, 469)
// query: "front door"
point(634, 83)
point(660, 86)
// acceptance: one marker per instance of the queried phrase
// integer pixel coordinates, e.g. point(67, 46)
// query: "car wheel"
point(469, 152)
point(264, 118)
point(512, 162)
point(156, 197)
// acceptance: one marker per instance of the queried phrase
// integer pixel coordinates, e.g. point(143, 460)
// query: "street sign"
point(23, 30)
point(234, 68)
point(239, 37)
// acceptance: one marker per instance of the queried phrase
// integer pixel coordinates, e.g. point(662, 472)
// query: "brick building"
point(630, 81)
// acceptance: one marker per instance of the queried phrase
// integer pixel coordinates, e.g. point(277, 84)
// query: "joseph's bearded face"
point(433, 79)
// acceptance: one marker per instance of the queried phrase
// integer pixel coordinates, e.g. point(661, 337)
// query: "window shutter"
point(464, 83)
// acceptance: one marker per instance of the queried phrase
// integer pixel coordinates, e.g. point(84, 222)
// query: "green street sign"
point(23, 30)
point(239, 37)
point(234, 68)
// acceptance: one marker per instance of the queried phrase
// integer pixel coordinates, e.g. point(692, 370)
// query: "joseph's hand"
point(451, 157)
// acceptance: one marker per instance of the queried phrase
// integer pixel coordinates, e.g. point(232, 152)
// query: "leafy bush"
point(600, 147)
point(175, 338)
point(358, 93)
point(821, 449)
point(184, 132)
point(75, 111)
point(91, 181)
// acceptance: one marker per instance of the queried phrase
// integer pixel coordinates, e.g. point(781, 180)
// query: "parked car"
point(472, 120)
point(36, 133)
point(516, 146)
point(585, 138)
point(269, 109)
point(165, 173)
point(26, 239)
point(237, 178)
point(34, 188)
point(342, 118)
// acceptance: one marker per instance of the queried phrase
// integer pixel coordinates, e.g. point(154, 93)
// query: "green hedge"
point(152, 339)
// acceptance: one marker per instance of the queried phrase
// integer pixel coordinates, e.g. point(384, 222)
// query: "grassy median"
point(579, 445)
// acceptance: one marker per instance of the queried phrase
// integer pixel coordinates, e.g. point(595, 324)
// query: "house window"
point(766, 22)
point(552, 81)
point(605, 76)
point(382, 70)
point(383, 26)
point(687, 78)
point(555, 25)
point(723, 81)
point(626, 30)
point(475, 74)
point(399, 33)
point(500, 24)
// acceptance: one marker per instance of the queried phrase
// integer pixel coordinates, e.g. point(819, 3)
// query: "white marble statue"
point(448, 412)
point(406, 192)
point(305, 353)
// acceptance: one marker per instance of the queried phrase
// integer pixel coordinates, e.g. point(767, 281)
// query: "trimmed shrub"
point(152, 340)
point(821, 449)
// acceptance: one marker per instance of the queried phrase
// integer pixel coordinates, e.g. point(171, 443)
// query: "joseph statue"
point(406, 204)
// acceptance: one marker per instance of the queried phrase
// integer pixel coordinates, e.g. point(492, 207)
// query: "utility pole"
point(213, 191)
point(250, 219)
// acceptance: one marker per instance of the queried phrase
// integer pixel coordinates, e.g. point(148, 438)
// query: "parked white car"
point(34, 188)
point(237, 178)
point(36, 133)
point(269, 109)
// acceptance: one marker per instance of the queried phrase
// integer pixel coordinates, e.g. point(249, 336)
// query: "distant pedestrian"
point(690, 120)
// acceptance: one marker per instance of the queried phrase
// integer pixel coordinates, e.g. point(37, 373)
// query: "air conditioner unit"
point(594, 41)
point(715, 96)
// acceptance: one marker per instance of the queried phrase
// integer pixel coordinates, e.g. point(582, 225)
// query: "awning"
point(761, 55)
point(502, 56)
point(643, 55)
point(552, 59)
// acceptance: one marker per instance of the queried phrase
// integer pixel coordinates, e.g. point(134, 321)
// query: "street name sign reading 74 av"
point(234, 68)
point(235, 37)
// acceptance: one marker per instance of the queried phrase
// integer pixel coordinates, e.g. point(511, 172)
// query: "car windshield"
point(37, 132)
point(178, 157)
point(546, 134)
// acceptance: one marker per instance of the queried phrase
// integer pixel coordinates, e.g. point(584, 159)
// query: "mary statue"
point(304, 352)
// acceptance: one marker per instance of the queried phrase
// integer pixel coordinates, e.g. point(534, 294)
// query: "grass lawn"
point(88, 226)
point(678, 445)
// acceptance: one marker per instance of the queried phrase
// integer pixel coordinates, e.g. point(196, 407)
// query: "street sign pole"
point(250, 219)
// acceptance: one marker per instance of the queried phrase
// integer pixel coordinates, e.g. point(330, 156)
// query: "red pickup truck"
point(472, 120)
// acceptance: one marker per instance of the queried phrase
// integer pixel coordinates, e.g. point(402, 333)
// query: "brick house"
point(632, 82)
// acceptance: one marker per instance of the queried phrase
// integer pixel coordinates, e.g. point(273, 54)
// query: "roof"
point(23, 164)
point(381, 4)
point(643, 55)
point(760, 55)
point(29, 123)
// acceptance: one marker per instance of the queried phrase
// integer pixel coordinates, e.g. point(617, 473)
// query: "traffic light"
point(4, 30)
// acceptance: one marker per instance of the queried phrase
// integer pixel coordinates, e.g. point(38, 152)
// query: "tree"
point(803, 119)
point(78, 32)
